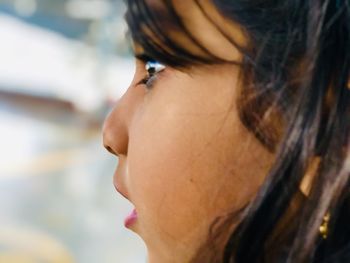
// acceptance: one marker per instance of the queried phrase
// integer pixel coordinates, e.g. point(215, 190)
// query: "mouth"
point(131, 219)
point(120, 187)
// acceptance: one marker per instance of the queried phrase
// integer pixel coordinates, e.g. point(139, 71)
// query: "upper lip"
point(120, 191)
point(119, 178)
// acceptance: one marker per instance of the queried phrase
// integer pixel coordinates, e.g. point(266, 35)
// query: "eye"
point(152, 67)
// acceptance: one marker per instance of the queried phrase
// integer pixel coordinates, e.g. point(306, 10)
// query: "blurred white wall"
point(44, 63)
point(62, 64)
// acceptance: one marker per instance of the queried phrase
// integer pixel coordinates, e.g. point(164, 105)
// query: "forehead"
point(196, 26)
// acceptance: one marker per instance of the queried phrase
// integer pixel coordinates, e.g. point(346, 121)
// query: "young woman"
point(234, 136)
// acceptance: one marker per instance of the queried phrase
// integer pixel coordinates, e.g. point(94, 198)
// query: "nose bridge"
point(114, 131)
point(116, 125)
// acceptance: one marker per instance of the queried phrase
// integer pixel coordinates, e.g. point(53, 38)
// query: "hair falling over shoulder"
point(297, 76)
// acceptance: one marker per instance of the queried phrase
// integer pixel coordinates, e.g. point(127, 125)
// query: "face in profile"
point(185, 158)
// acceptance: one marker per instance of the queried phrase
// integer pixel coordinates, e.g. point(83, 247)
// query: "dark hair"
point(296, 70)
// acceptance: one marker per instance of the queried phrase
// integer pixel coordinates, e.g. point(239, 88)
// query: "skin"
point(185, 158)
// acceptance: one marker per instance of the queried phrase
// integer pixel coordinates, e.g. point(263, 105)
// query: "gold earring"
point(324, 226)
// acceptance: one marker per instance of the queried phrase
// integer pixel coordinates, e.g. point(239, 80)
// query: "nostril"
point(111, 150)
point(115, 131)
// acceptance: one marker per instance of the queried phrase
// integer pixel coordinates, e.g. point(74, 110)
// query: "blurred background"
point(63, 63)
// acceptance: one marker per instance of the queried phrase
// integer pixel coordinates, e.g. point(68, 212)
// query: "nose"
point(115, 138)
point(117, 124)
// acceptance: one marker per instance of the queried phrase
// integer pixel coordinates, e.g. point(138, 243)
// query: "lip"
point(130, 219)
point(119, 178)
point(123, 193)
point(119, 185)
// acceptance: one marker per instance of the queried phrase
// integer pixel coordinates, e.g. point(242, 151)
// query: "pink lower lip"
point(130, 219)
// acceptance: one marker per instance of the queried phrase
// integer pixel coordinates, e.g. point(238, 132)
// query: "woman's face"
point(185, 158)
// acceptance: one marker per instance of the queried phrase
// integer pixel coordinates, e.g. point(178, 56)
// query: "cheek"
point(162, 174)
point(190, 160)
point(189, 169)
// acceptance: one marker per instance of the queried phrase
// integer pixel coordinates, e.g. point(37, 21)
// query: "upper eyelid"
point(144, 58)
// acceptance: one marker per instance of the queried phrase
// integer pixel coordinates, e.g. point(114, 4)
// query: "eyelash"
point(152, 70)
